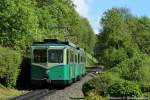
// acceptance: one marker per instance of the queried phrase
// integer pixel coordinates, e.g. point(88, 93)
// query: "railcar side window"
point(68, 56)
point(78, 58)
point(82, 58)
point(71, 57)
point(55, 56)
point(40, 55)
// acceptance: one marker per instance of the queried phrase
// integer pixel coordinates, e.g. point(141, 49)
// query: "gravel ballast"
point(72, 92)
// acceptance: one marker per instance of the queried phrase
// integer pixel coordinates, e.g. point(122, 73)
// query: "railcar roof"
point(56, 42)
point(46, 44)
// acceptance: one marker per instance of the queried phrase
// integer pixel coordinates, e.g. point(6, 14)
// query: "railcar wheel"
point(78, 78)
point(74, 80)
point(49, 84)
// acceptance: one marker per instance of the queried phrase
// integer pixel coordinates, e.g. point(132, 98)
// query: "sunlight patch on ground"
point(6, 93)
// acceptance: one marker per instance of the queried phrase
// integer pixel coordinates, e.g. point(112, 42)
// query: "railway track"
point(93, 70)
point(39, 94)
point(35, 95)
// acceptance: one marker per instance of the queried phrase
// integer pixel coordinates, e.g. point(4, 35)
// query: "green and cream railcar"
point(56, 62)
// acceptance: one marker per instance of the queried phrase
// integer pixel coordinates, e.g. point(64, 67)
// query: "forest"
point(123, 48)
point(122, 45)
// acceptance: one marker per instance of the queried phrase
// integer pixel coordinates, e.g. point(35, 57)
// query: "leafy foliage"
point(130, 69)
point(114, 56)
point(115, 42)
point(124, 89)
point(9, 66)
point(123, 48)
point(140, 32)
point(101, 83)
point(25, 21)
point(18, 23)
point(93, 96)
point(120, 43)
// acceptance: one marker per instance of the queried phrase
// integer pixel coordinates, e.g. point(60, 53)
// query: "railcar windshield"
point(40, 56)
point(55, 56)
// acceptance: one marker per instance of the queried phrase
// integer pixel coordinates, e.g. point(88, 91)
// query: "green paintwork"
point(38, 73)
point(78, 70)
point(60, 72)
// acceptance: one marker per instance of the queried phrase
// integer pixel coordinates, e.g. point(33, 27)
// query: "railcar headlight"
point(97, 72)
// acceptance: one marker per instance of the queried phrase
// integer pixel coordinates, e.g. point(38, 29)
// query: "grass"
point(6, 93)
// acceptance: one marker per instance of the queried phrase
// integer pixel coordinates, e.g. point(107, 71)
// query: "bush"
point(9, 66)
point(113, 57)
point(130, 69)
point(93, 96)
point(134, 69)
point(145, 81)
point(124, 89)
point(145, 70)
point(145, 87)
point(101, 83)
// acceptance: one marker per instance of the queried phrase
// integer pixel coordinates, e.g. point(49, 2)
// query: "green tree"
point(142, 34)
point(115, 43)
point(18, 23)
